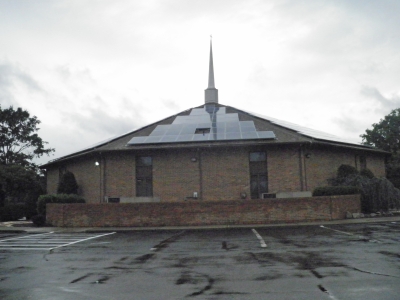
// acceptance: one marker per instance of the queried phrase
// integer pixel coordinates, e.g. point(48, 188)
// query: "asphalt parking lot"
point(348, 261)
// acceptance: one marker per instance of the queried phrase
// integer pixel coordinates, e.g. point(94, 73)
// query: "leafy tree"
point(385, 135)
point(19, 142)
point(16, 181)
point(68, 184)
point(20, 187)
point(20, 182)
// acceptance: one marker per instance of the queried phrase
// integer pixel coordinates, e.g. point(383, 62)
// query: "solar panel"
point(212, 124)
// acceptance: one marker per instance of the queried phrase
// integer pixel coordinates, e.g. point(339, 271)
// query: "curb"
point(33, 230)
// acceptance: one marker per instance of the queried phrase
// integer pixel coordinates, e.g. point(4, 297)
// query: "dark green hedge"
point(57, 198)
point(336, 190)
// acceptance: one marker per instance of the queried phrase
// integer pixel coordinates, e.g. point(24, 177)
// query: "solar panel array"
point(211, 123)
point(308, 131)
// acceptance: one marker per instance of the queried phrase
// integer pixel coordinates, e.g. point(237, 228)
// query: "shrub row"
point(58, 198)
point(336, 190)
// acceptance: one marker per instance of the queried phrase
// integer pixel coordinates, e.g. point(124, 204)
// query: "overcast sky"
point(90, 70)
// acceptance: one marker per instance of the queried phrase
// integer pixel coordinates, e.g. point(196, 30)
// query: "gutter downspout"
point(303, 169)
point(200, 174)
point(102, 178)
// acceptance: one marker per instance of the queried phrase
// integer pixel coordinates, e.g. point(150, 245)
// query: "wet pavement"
point(333, 261)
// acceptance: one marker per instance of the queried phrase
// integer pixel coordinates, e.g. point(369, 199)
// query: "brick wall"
point(119, 175)
point(216, 174)
point(175, 175)
point(283, 169)
point(225, 173)
point(195, 213)
point(323, 163)
point(376, 164)
point(88, 176)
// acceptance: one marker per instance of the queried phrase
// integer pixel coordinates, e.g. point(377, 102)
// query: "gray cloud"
point(11, 74)
point(100, 121)
point(96, 118)
point(386, 104)
point(11, 77)
point(347, 123)
point(171, 104)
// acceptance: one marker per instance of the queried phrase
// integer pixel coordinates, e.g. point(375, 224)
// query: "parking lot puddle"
point(165, 243)
point(206, 288)
point(102, 280)
point(372, 273)
point(144, 258)
point(326, 292)
point(81, 278)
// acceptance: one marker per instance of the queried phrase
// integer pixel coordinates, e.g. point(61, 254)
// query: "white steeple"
point(211, 93)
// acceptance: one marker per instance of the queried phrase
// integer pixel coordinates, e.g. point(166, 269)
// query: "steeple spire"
point(211, 93)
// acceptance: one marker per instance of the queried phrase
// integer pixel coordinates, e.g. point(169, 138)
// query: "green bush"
point(57, 198)
point(68, 184)
point(345, 171)
point(12, 212)
point(377, 194)
point(336, 190)
point(367, 173)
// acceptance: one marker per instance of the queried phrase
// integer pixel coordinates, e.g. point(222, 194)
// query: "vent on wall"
point(268, 195)
point(113, 200)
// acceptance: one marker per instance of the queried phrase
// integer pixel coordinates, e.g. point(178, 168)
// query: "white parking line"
point(26, 236)
point(45, 241)
point(262, 242)
point(90, 238)
point(349, 233)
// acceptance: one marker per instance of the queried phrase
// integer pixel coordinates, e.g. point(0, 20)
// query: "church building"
point(212, 152)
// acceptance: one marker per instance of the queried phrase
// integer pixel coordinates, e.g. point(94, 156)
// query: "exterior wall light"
point(243, 195)
point(193, 159)
point(96, 163)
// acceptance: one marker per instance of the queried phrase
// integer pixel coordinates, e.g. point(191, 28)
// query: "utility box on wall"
point(294, 194)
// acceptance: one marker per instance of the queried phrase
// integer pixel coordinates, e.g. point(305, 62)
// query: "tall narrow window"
point(144, 176)
point(363, 162)
point(258, 174)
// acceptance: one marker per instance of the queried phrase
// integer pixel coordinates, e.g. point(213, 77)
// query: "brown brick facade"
point(376, 165)
point(284, 169)
point(213, 173)
point(119, 175)
point(176, 174)
point(322, 164)
point(195, 213)
point(87, 175)
point(225, 174)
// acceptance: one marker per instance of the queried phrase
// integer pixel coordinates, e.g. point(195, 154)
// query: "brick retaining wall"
point(195, 213)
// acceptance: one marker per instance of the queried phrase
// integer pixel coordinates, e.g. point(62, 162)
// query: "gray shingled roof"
point(275, 132)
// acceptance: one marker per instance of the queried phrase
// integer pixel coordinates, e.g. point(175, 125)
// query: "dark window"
point(258, 174)
point(144, 176)
point(202, 131)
